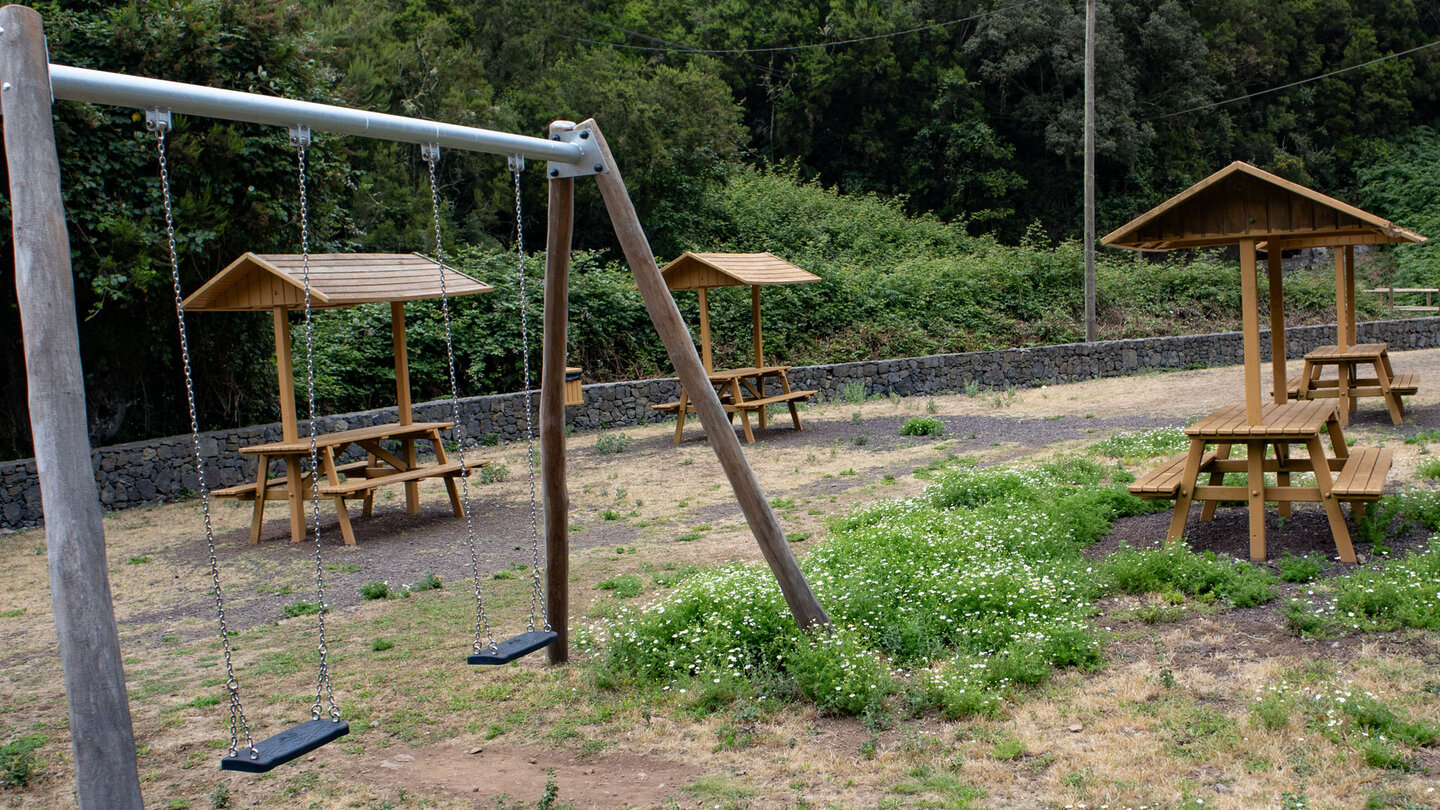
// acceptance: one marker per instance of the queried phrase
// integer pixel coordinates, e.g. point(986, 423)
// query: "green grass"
point(611, 443)
point(978, 588)
point(622, 586)
point(301, 607)
point(1149, 444)
point(1388, 595)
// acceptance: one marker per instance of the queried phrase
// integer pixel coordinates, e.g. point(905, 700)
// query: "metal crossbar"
point(143, 93)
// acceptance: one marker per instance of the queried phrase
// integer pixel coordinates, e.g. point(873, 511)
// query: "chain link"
point(537, 600)
point(238, 722)
point(483, 636)
point(324, 691)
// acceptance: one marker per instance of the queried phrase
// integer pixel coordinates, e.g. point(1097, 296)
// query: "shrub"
point(853, 392)
point(922, 426)
point(375, 590)
point(1301, 569)
point(608, 443)
point(18, 763)
point(493, 473)
point(623, 586)
point(301, 607)
point(431, 582)
point(1429, 469)
point(381, 644)
point(1177, 568)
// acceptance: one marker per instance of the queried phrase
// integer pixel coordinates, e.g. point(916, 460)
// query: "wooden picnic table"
point(1351, 475)
point(1348, 386)
point(741, 391)
point(380, 468)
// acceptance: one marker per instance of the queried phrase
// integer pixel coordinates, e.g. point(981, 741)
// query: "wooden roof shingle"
point(258, 281)
point(1243, 202)
point(695, 270)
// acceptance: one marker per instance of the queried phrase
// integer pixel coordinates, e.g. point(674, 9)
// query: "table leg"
point(1344, 374)
point(1392, 400)
point(327, 461)
point(794, 411)
point(1282, 478)
point(257, 517)
point(412, 488)
point(440, 458)
point(1207, 510)
point(745, 423)
point(1337, 437)
point(760, 394)
point(367, 504)
point(295, 488)
point(680, 416)
point(1327, 498)
point(1187, 490)
point(1255, 483)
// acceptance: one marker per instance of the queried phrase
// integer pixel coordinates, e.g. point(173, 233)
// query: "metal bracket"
point(300, 135)
point(430, 152)
point(516, 163)
point(590, 162)
point(158, 120)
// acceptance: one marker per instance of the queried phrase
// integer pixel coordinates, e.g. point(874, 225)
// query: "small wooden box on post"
point(1254, 210)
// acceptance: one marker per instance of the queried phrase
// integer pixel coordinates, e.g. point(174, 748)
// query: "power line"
point(1374, 61)
point(780, 49)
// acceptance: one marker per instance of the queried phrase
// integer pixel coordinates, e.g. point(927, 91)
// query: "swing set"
point(102, 735)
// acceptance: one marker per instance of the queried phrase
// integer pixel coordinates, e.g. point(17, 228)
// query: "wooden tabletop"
point(1299, 418)
point(339, 437)
point(1360, 351)
point(749, 371)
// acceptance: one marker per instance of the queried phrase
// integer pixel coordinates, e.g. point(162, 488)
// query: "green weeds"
point(922, 426)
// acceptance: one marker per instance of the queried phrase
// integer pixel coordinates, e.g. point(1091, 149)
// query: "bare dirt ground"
point(428, 733)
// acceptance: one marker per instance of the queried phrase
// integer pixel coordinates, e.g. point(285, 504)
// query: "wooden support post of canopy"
point(402, 402)
point(100, 733)
point(707, 355)
point(1342, 304)
point(1350, 295)
point(556, 495)
point(1250, 318)
point(666, 316)
point(289, 427)
point(1276, 277)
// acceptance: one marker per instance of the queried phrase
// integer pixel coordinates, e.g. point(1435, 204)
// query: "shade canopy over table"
point(1246, 206)
point(702, 271)
point(276, 282)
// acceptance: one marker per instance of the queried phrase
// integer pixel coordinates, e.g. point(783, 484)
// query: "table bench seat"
point(360, 484)
point(246, 492)
point(1163, 482)
point(1363, 476)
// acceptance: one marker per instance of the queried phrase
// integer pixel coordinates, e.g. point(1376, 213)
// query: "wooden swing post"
point(101, 735)
point(560, 225)
point(681, 349)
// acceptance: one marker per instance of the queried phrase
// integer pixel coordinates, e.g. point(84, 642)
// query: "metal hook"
point(158, 120)
point(430, 152)
point(300, 135)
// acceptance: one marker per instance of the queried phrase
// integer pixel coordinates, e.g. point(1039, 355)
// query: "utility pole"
point(1090, 331)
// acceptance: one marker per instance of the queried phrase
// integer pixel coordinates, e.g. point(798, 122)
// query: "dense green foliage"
point(931, 177)
point(974, 589)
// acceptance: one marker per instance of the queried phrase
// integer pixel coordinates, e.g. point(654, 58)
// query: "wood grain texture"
point(681, 350)
point(99, 711)
point(556, 494)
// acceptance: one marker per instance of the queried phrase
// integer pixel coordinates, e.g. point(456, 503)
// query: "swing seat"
point(512, 648)
point(287, 745)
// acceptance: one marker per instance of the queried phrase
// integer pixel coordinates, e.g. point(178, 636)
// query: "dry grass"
point(1157, 730)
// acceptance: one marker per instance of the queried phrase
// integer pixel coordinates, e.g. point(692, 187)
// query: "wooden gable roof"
point(1243, 202)
point(695, 270)
point(266, 281)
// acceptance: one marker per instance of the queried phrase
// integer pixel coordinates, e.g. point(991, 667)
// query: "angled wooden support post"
point(681, 350)
point(100, 731)
point(561, 223)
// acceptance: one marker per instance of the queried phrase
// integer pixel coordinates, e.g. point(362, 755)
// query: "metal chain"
point(238, 721)
point(324, 691)
point(536, 593)
point(482, 622)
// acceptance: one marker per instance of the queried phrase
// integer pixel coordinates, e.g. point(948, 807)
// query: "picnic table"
point(743, 390)
point(1348, 386)
point(1428, 292)
point(361, 478)
point(1351, 475)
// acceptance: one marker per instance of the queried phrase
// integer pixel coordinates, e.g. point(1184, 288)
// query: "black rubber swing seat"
point(285, 746)
point(512, 648)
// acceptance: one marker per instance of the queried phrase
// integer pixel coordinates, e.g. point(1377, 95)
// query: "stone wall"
point(162, 469)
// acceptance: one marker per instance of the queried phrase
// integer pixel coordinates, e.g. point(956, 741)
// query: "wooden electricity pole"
point(1090, 331)
point(100, 731)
